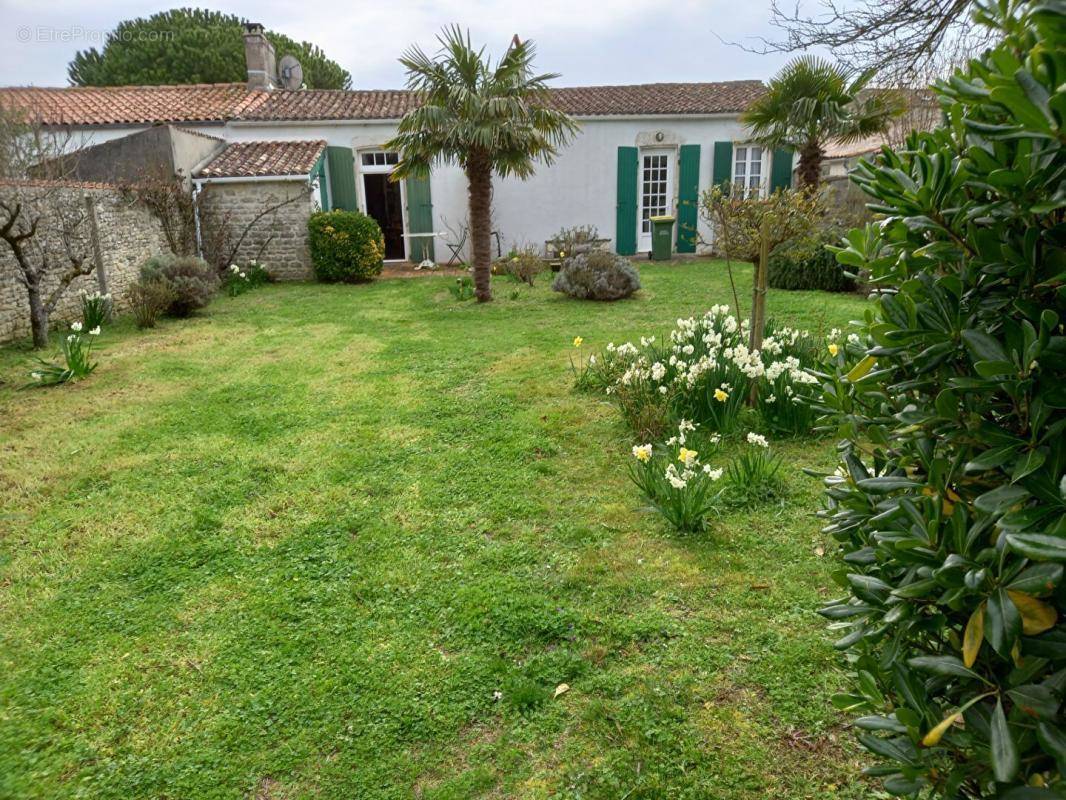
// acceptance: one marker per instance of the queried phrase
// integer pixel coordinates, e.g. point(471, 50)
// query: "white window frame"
point(382, 168)
point(764, 167)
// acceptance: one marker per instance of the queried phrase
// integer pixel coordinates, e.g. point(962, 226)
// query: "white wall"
point(579, 188)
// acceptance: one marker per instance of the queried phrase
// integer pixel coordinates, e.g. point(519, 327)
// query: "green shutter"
point(625, 234)
point(319, 172)
point(781, 170)
point(723, 164)
point(420, 217)
point(688, 196)
point(342, 178)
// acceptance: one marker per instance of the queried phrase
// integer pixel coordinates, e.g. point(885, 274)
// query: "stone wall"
point(278, 240)
point(128, 234)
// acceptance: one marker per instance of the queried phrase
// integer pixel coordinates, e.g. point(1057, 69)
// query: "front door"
point(656, 191)
point(383, 199)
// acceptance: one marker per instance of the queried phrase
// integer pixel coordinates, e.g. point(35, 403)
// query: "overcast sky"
point(602, 41)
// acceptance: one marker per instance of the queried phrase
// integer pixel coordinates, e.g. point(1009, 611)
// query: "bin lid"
point(666, 218)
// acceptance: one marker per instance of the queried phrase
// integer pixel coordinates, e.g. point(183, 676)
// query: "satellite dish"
point(290, 73)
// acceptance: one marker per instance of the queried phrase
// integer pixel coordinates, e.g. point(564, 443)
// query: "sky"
point(599, 42)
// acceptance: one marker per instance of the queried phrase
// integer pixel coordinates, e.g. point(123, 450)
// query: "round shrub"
point(190, 280)
point(597, 276)
point(346, 246)
point(809, 268)
point(950, 504)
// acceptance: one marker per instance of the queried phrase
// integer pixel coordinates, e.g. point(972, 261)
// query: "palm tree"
point(812, 102)
point(485, 118)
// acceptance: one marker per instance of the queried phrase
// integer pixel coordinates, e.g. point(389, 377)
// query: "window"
point(379, 158)
point(748, 167)
point(656, 195)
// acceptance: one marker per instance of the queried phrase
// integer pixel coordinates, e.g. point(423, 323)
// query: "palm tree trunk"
point(810, 165)
point(479, 180)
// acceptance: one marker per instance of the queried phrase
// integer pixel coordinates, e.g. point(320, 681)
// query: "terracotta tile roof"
point(126, 105)
point(261, 159)
point(135, 105)
point(659, 98)
point(309, 104)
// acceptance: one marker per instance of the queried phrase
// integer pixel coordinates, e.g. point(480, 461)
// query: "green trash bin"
point(662, 238)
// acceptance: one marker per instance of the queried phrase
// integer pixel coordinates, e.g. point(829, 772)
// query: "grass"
point(290, 548)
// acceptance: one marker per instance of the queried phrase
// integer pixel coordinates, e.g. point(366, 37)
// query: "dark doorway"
point(384, 204)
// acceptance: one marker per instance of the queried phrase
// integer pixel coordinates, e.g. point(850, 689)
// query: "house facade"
point(642, 151)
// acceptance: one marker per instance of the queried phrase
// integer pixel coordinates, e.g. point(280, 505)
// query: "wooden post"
point(94, 235)
point(760, 281)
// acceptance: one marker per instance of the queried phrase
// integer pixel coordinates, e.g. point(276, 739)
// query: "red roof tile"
point(261, 159)
point(133, 105)
point(127, 105)
point(659, 98)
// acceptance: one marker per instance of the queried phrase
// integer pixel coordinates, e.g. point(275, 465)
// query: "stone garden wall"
point(127, 234)
point(277, 240)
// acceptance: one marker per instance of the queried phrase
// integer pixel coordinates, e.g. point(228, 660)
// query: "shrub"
point(96, 309)
point(75, 352)
point(346, 246)
point(149, 297)
point(191, 281)
point(597, 276)
point(949, 502)
point(523, 266)
point(809, 267)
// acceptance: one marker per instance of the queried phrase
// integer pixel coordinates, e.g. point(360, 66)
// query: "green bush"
point(949, 505)
point(191, 280)
point(808, 267)
point(346, 246)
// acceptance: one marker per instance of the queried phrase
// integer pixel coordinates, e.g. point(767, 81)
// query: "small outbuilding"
point(264, 192)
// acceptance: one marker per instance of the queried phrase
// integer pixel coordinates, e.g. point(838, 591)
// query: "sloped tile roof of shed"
point(135, 105)
point(262, 159)
point(126, 105)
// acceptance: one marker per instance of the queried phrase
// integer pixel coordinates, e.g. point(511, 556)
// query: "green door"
point(420, 218)
point(625, 228)
point(341, 167)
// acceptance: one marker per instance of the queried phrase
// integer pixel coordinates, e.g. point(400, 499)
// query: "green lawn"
point(291, 548)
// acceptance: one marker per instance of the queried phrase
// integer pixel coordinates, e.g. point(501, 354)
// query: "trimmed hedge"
point(815, 269)
point(346, 246)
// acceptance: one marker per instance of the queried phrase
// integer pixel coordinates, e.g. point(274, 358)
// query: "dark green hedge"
point(345, 246)
point(814, 269)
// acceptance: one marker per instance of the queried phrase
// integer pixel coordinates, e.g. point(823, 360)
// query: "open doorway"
point(383, 200)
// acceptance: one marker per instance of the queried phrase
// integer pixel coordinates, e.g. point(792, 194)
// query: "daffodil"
point(577, 341)
point(834, 349)
point(642, 452)
point(686, 456)
point(720, 396)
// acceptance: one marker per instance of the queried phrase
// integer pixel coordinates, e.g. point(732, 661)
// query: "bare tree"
point(44, 220)
point(906, 42)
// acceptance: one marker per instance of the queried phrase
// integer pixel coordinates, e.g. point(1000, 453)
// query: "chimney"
point(259, 57)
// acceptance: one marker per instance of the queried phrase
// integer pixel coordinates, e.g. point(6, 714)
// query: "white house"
point(642, 151)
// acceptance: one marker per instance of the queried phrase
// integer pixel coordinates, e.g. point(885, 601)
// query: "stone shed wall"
point(128, 234)
point(277, 240)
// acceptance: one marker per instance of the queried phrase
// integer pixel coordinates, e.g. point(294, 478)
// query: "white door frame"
point(361, 171)
point(661, 208)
